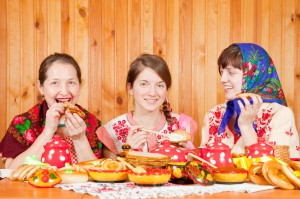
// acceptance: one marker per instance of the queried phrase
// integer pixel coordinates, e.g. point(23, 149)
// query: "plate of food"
point(109, 171)
point(152, 177)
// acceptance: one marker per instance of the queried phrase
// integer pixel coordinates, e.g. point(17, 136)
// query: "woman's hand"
point(53, 116)
point(249, 111)
point(136, 138)
point(247, 116)
point(75, 125)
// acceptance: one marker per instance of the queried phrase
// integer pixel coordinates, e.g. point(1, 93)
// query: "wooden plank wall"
point(106, 35)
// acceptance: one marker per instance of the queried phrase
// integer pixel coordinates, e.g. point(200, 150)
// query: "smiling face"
point(149, 91)
point(231, 78)
point(61, 83)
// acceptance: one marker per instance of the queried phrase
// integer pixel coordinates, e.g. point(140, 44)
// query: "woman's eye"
point(161, 85)
point(143, 84)
point(54, 83)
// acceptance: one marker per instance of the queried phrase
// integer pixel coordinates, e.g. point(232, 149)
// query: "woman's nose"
point(152, 90)
point(64, 89)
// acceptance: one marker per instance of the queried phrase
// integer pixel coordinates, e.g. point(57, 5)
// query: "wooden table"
point(15, 189)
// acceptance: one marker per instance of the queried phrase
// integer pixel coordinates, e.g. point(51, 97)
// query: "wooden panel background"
point(106, 35)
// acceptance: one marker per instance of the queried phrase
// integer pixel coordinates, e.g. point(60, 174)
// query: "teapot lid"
point(56, 142)
point(217, 144)
point(176, 154)
point(260, 149)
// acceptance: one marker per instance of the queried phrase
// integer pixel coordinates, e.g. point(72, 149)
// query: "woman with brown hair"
point(148, 81)
point(59, 81)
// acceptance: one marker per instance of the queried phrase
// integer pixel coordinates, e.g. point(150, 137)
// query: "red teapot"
point(176, 154)
point(217, 153)
point(57, 152)
point(260, 149)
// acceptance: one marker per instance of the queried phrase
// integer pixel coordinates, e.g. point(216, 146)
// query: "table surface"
point(16, 189)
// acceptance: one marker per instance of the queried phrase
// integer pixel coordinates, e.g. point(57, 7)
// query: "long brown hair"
point(157, 64)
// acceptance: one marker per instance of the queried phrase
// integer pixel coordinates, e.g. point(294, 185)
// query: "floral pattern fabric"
point(114, 133)
point(259, 74)
point(275, 122)
point(25, 128)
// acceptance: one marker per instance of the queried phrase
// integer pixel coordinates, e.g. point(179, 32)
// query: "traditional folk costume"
point(114, 134)
point(274, 121)
point(25, 128)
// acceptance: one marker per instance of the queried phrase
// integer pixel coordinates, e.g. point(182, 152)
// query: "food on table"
point(275, 173)
point(23, 172)
point(70, 108)
point(153, 176)
point(295, 165)
point(255, 174)
point(272, 171)
point(109, 171)
point(91, 163)
point(230, 174)
point(73, 174)
point(137, 169)
point(145, 159)
point(44, 178)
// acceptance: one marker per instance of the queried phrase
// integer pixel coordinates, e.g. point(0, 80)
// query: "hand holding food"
point(70, 108)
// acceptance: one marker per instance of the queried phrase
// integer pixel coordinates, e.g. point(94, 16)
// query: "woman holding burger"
point(59, 83)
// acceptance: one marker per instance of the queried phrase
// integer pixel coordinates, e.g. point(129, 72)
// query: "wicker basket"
point(281, 152)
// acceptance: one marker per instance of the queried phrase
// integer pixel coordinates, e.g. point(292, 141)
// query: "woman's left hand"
point(249, 111)
point(75, 125)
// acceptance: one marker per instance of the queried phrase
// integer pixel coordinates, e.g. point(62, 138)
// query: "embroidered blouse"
point(114, 134)
point(275, 122)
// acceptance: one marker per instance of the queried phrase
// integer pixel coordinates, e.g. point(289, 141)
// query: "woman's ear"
point(40, 87)
point(129, 87)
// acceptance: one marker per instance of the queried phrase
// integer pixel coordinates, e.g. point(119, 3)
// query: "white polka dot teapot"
point(217, 153)
point(176, 154)
point(260, 149)
point(57, 152)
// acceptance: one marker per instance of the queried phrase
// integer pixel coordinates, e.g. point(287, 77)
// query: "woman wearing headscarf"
point(262, 112)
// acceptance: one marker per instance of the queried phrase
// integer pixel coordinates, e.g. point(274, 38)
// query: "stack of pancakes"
point(147, 160)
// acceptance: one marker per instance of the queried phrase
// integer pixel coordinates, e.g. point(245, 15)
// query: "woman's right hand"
point(53, 116)
point(136, 138)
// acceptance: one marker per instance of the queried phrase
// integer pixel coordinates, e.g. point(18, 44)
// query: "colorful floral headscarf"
point(259, 77)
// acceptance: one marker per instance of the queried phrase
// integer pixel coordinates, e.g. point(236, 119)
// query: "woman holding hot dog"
point(260, 111)
point(59, 81)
